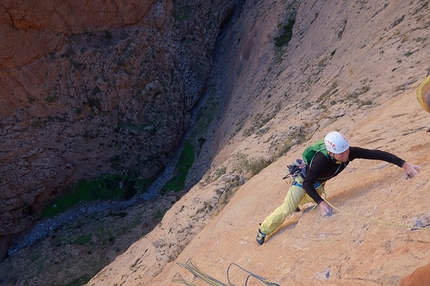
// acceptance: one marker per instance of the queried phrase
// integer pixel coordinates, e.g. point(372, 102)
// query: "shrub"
point(177, 183)
point(286, 35)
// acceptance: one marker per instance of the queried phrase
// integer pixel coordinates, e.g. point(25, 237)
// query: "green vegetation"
point(365, 102)
point(78, 110)
point(259, 121)
point(207, 116)
point(323, 62)
point(244, 164)
point(286, 35)
point(50, 99)
point(76, 65)
point(81, 240)
point(220, 171)
point(407, 54)
point(107, 35)
point(106, 187)
point(93, 102)
point(357, 92)
point(423, 8)
point(183, 13)
point(38, 124)
point(177, 183)
point(80, 281)
point(158, 215)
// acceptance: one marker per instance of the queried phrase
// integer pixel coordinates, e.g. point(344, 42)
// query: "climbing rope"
point(198, 273)
point(412, 227)
point(212, 281)
point(250, 274)
point(178, 278)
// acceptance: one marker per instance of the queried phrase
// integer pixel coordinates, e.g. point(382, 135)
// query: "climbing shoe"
point(260, 237)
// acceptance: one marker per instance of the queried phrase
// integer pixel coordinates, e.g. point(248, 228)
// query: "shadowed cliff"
point(351, 67)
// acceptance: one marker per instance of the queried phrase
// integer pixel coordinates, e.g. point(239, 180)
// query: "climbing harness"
point(192, 267)
point(295, 183)
point(411, 227)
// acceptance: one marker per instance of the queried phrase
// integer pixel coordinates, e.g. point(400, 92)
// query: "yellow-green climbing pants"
point(296, 196)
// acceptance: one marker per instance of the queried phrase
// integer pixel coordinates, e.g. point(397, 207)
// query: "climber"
point(325, 164)
point(423, 92)
point(420, 277)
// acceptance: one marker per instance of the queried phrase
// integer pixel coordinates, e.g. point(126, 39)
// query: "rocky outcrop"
point(350, 66)
point(89, 88)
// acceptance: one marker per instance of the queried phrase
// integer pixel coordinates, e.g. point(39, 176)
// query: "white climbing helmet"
point(336, 143)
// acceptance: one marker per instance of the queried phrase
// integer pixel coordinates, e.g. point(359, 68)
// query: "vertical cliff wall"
point(89, 88)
